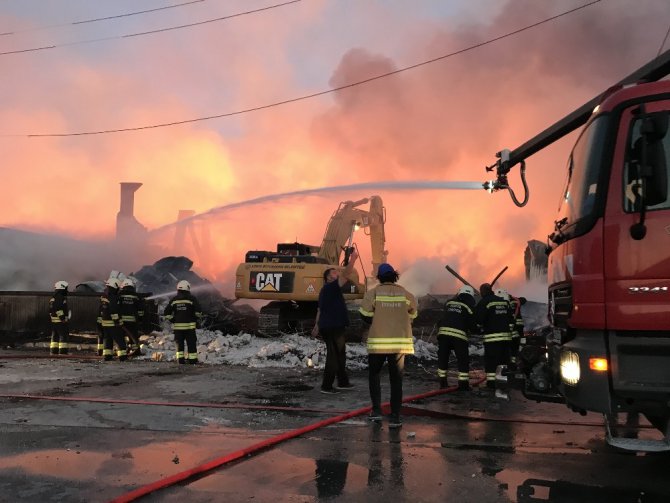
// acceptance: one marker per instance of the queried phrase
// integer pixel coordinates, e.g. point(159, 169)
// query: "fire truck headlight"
point(570, 372)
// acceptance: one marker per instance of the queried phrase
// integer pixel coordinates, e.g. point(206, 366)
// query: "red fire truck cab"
point(609, 256)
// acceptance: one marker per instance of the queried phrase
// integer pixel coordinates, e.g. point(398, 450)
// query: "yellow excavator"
point(292, 276)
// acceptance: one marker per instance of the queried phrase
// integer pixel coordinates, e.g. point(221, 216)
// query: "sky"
point(442, 121)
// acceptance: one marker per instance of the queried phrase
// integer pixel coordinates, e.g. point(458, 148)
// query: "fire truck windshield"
point(582, 188)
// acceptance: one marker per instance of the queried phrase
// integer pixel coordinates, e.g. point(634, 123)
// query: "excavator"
point(292, 276)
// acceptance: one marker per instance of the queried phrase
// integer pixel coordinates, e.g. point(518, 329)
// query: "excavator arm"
point(348, 218)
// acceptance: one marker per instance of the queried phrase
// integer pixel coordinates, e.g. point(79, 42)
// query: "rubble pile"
point(161, 278)
point(287, 351)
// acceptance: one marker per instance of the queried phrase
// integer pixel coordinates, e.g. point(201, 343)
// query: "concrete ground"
point(465, 448)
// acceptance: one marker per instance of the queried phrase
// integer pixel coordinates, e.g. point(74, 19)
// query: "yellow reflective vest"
point(392, 309)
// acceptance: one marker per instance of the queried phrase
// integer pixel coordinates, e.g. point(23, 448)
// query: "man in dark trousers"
point(184, 312)
point(112, 325)
point(60, 314)
point(494, 319)
point(458, 322)
point(332, 320)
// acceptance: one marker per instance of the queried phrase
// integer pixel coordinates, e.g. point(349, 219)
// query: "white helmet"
point(502, 293)
point(112, 283)
point(468, 290)
point(127, 282)
point(61, 285)
point(184, 285)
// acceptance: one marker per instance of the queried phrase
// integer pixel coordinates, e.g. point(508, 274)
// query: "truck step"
point(634, 444)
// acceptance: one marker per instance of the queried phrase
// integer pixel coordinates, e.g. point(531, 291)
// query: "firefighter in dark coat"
point(494, 319)
point(517, 333)
point(60, 315)
point(132, 312)
point(458, 322)
point(184, 312)
point(112, 324)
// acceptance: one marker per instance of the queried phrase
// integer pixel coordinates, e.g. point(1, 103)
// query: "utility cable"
point(106, 18)
point(160, 30)
point(308, 96)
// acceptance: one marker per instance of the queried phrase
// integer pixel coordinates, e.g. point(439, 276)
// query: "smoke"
point(443, 121)
point(32, 261)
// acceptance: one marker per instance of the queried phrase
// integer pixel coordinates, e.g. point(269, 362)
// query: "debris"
point(286, 351)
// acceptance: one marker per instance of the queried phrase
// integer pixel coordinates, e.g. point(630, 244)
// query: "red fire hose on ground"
point(254, 449)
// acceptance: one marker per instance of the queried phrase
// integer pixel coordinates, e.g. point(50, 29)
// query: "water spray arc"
point(394, 186)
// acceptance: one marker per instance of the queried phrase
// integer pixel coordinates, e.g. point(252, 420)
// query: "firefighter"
point(112, 324)
point(502, 293)
point(101, 331)
point(132, 312)
point(493, 318)
point(458, 321)
point(60, 315)
point(517, 333)
point(184, 312)
point(389, 309)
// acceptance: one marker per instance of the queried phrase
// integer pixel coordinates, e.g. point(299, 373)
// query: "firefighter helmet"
point(502, 293)
point(127, 282)
point(184, 285)
point(61, 285)
point(468, 290)
point(112, 283)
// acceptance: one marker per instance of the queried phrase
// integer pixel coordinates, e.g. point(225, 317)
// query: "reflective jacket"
point(518, 318)
point(391, 309)
point(183, 311)
point(458, 319)
point(130, 305)
point(494, 318)
point(58, 308)
point(109, 309)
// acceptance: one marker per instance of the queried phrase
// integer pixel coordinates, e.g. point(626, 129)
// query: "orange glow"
point(441, 122)
point(598, 364)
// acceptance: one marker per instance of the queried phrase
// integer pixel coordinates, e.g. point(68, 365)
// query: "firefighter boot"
point(181, 360)
point(443, 383)
point(463, 386)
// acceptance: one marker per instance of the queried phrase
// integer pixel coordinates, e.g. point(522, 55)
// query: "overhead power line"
point(160, 30)
point(106, 18)
point(313, 95)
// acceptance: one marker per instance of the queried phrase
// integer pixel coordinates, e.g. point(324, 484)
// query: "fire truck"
point(608, 346)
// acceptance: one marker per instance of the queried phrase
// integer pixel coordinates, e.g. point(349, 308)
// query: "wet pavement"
point(468, 447)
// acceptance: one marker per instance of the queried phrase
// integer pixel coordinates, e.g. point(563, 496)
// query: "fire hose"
point(256, 448)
